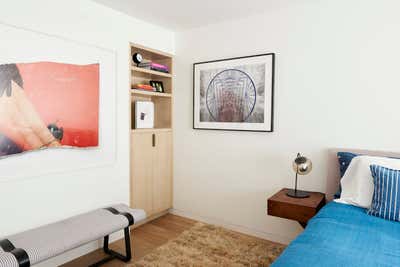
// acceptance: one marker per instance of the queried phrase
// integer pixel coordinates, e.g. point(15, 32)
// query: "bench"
point(36, 245)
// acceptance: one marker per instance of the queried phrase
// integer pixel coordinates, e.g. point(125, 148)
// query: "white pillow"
point(357, 182)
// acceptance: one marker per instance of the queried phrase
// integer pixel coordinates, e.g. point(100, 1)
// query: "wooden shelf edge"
point(148, 93)
point(152, 72)
point(152, 130)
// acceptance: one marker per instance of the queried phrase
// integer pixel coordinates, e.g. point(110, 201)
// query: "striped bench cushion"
point(54, 239)
point(8, 259)
point(386, 197)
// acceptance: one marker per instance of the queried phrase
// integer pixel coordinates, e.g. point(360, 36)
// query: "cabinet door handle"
point(154, 140)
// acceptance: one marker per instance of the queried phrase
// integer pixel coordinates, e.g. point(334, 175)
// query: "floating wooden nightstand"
point(298, 209)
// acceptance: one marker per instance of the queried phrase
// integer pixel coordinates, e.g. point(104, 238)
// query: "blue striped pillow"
point(386, 198)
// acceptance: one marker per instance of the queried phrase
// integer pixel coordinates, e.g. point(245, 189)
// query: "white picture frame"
point(46, 47)
point(144, 115)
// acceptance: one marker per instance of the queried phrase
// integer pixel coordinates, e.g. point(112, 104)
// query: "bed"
point(344, 235)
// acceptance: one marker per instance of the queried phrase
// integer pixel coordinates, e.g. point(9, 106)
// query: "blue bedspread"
point(344, 235)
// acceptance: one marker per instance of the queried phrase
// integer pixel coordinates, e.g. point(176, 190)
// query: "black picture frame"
point(272, 112)
point(158, 85)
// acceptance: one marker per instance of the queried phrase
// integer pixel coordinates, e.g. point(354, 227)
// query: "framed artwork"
point(48, 104)
point(144, 114)
point(234, 94)
point(158, 85)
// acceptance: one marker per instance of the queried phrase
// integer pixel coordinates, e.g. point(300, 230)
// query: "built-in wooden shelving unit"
point(151, 149)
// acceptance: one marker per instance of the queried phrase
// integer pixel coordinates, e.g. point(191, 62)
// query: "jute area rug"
point(209, 245)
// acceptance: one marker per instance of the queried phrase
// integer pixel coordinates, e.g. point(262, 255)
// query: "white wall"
point(337, 69)
point(33, 200)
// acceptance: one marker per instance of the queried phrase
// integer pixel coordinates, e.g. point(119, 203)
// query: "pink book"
point(160, 66)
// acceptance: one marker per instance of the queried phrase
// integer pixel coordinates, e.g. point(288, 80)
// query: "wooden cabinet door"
point(162, 172)
point(142, 154)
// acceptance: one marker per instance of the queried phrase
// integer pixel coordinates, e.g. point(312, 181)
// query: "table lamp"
point(302, 166)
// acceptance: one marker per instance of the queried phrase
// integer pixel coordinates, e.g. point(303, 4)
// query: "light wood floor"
point(144, 239)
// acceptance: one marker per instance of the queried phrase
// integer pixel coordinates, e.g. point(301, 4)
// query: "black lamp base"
point(297, 193)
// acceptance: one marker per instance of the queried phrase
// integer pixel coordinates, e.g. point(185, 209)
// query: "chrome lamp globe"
point(302, 166)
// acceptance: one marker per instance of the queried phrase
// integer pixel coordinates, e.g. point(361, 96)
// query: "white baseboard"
point(238, 228)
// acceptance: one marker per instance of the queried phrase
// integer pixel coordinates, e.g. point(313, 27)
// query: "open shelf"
point(162, 109)
point(162, 101)
point(151, 72)
point(149, 93)
point(144, 76)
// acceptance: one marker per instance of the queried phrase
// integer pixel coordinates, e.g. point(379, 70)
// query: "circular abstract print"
point(231, 96)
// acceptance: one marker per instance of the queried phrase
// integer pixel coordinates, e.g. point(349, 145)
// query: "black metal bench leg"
point(128, 248)
point(113, 254)
point(105, 244)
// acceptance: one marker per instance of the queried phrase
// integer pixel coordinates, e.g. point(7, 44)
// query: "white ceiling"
point(185, 14)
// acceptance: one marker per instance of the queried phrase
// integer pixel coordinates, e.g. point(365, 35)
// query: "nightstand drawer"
point(290, 211)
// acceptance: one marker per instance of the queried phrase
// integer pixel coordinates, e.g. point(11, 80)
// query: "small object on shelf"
point(146, 87)
point(300, 209)
point(137, 58)
point(302, 166)
point(144, 114)
point(158, 85)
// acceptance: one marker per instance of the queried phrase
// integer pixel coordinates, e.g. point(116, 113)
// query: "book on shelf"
point(154, 66)
point(144, 87)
